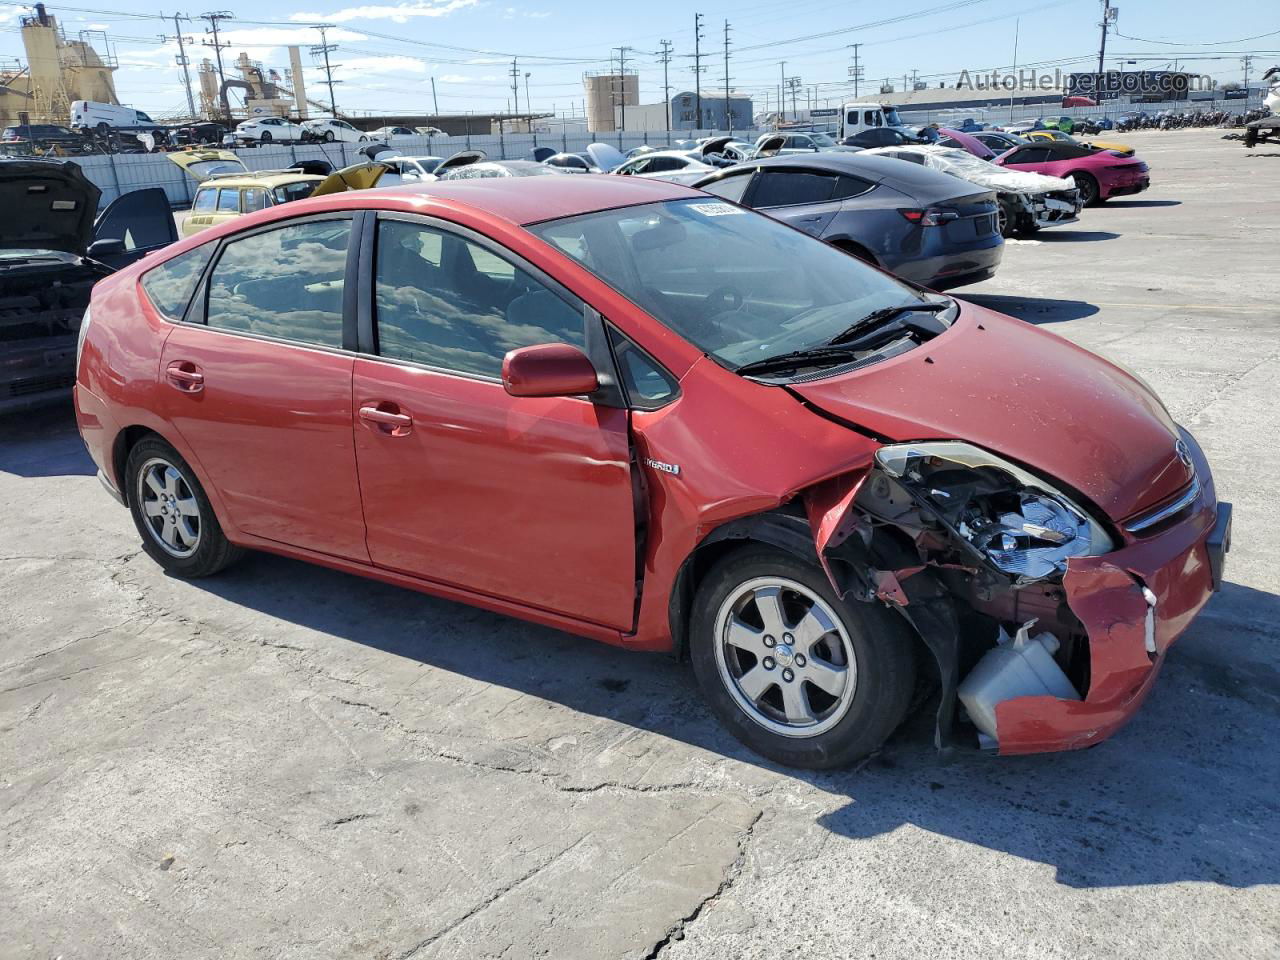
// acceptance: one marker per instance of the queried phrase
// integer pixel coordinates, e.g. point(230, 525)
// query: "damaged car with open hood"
point(635, 412)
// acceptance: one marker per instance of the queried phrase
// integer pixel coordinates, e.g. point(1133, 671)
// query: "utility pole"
point(793, 84)
point(728, 114)
point(324, 49)
point(915, 78)
point(515, 83)
point(1247, 61)
point(666, 84)
point(435, 103)
point(1107, 16)
point(622, 86)
point(855, 72)
point(213, 18)
point(782, 97)
point(528, 100)
point(183, 61)
point(1017, 27)
point(697, 70)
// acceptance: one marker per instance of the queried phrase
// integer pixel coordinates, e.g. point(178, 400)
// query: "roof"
point(525, 200)
point(252, 180)
point(856, 164)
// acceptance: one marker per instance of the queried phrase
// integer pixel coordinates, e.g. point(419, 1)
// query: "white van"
point(103, 117)
point(856, 117)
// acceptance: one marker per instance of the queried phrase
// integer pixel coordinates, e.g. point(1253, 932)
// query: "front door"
point(524, 499)
point(261, 390)
point(142, 220)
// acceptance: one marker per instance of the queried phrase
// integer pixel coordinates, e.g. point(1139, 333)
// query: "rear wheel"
point(173, 516)
point(796, 673)
point(1088, 187)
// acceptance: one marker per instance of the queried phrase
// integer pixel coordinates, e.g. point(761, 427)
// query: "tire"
point(363, 139)
point(174, 517)
point(1250, 137)
point(329, 136)
point(1008, 220)
point(1089, 191)
point(861, 653)
point(265, 138)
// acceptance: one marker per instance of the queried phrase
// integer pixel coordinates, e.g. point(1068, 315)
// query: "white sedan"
point(393, 134)
point(268, 129)
point(329, 130)
point(674, 165)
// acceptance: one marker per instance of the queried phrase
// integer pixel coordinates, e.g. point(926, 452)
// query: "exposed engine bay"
point(44, 295)
point(972, 550)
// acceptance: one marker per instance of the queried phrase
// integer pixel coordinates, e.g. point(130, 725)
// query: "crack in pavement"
point(489, 901)
point(731, 875)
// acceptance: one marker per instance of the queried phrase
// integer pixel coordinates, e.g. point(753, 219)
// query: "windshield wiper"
point(885, 314)
point(812, 357)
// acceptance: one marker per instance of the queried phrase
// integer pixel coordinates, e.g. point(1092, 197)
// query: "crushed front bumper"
point(1134, 603)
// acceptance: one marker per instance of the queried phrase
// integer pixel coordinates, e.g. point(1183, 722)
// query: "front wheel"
point(266, 137)
point(172, 513)
point(329, 136)
point(799, 675)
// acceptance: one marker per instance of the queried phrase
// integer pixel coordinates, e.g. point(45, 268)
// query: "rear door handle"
point(185, 376)
point(386, 418)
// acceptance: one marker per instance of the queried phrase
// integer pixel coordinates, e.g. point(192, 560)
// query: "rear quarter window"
point(170, 285)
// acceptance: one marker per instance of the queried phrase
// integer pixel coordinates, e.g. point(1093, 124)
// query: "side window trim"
point(368, 341)
point(198, 309)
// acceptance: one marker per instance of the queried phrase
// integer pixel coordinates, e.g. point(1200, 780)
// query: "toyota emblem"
point(1184, 453)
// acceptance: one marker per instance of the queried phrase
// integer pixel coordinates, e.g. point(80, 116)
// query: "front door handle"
point(386, 418)
point(185, 376)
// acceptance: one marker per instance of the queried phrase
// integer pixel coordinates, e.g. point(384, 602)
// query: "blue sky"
point(389, 50)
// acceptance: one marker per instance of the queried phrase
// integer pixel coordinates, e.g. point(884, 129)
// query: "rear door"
point(525, 499)
point(258, 382)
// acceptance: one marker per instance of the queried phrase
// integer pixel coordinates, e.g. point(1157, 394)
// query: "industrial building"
point(685, 114)
point(57, 71)
point(610, 95)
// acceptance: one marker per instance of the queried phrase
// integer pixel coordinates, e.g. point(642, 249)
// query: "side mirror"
point(105, 248)
point(548, 370)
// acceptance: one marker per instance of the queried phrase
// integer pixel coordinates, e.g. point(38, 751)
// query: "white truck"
point(858, 116)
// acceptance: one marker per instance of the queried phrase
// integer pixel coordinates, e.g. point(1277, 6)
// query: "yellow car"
point(1059, 135)
point(228, 188)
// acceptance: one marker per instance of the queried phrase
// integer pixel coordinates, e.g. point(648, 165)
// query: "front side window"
point(730, 188)
point(284, 283)
point(738, 285)
point(170, 285)
point(446, 302)
point(228, 200)
point(206, 200)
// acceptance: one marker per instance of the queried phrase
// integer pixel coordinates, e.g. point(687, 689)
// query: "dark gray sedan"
point(927, 227)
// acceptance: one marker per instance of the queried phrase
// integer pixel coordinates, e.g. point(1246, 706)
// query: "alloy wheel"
point(785, 657)
point(170, 511)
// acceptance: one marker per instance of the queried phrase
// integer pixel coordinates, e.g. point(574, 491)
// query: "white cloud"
point(462, 78)
point(397, 13)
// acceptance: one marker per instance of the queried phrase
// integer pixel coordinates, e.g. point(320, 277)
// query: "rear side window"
point(294, 191)
point(284, 283)
point(170, 285)
point(781, 189)
point(205, 202)
point(255, 199)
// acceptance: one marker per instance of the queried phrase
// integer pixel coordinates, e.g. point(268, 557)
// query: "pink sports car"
point(1099, 174)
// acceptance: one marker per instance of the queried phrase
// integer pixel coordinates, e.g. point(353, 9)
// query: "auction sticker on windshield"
point(716, 209)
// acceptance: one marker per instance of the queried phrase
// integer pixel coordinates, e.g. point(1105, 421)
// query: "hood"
point(200, 165)
point(972, 144)
point(1027, 395)
point(51, 204)
point(606, 157)
point(461, 159)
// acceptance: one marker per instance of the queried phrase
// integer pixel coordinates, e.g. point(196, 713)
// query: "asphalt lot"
point(287, 762)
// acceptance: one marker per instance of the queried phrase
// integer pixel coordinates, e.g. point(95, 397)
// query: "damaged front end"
point(1041, 621)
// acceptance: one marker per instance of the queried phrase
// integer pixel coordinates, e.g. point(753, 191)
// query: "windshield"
point(736, 284)
point(891, 117)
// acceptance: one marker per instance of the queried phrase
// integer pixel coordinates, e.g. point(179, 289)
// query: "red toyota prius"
point(641, 414)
